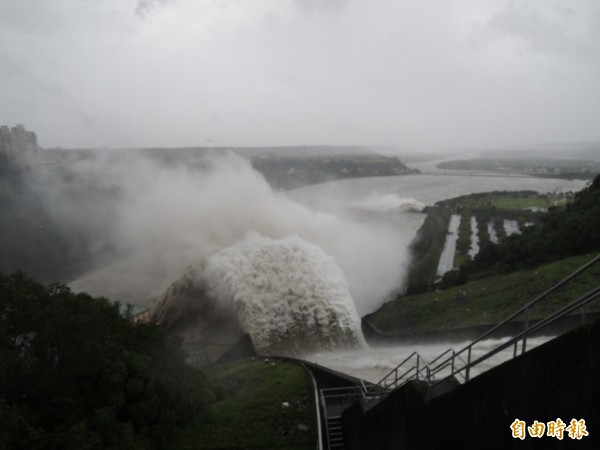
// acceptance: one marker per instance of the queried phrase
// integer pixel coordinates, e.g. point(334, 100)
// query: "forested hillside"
point(75, 373)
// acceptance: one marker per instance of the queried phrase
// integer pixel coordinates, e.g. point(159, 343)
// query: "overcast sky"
point(418, 74)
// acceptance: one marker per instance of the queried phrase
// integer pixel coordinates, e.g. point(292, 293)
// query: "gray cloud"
point(550, 35)
point(145, 7)
point(329, 7)
point(416, 74)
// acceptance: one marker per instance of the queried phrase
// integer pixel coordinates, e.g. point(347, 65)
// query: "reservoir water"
point(345, 195)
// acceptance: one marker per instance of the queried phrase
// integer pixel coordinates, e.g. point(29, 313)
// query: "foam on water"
point(388, 202)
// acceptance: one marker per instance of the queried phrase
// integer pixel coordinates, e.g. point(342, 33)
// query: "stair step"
point(335, 429)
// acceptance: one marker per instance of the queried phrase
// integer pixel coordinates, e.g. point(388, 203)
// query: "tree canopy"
point(77, 374)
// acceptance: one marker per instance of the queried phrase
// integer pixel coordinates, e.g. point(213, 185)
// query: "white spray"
point(289, 271)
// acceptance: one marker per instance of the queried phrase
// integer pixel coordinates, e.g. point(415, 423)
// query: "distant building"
point(17, 143)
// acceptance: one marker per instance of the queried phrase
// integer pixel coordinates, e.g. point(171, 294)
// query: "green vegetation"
point(247, 411)
point(562, 232)
point(508, 200)
point(543, 201)
point(525, 207)
point(287, 172)
point(483, 217)
point(76, 374)
point(490, 207)
point(486, 301)
point(485, 208)
point(498, 223)
point(426, 249)
point(463, 243)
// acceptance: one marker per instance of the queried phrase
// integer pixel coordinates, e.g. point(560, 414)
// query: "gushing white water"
point(388, 202)
point(289, 295)
point(375, 363)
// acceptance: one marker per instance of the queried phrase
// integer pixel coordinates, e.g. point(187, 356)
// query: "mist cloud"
point(167, 219)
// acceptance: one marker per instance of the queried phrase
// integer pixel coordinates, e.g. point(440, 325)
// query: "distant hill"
point(304, 151)
point(283, 167)
point(580, 150)
point(529, 164)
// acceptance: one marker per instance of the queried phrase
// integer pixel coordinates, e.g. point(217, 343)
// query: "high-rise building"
point(17, 142)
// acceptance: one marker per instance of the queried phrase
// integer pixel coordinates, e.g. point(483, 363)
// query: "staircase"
point(333, 403)
point(335, 433)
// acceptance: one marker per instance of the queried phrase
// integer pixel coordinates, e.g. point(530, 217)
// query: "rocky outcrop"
point(187, 309)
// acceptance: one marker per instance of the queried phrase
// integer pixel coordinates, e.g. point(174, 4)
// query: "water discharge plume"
point(174, 218)
point(388, 202)
point(290, 296)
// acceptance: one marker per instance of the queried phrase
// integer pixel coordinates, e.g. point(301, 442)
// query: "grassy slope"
point(247, 412)
point(510, 200)
point(485, 301)
point(528, 202)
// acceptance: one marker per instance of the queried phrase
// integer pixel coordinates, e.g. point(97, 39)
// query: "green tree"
point(75, 373)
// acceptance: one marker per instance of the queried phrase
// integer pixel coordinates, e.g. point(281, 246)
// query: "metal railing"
point(459, 363)
point(414, 367)
point(465, 369)
point(338, 398)
point(342, 396)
